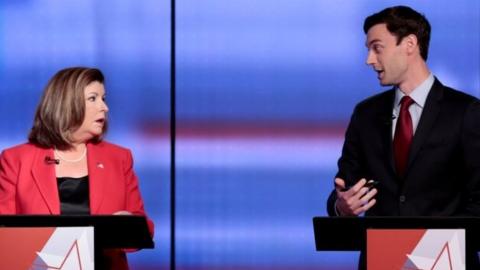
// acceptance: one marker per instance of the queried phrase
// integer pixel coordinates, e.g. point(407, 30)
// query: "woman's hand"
point(123, 212)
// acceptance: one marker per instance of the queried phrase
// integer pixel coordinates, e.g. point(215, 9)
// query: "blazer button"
point(402, 199)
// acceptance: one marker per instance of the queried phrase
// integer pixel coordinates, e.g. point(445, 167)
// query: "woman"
point(66, 168)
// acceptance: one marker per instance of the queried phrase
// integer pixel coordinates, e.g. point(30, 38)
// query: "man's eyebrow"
point(371, 42)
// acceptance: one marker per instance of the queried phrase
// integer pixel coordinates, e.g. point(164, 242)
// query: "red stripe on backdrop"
point(240, 129)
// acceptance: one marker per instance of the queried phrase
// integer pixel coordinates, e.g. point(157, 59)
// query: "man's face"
point(387, 58)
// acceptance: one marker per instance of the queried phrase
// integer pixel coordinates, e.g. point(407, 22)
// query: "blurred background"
point(264, 91)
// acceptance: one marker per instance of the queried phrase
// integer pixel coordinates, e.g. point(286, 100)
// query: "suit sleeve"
point(471, 150)
point(350, 162)
point(134, 202)
point(8, 176)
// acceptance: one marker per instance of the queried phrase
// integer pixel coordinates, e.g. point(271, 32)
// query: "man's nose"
point(371, 59)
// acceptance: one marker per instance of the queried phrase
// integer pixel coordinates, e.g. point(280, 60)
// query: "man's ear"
point(411, 43)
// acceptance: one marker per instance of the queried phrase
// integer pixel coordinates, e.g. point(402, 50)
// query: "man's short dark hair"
point(402, 21)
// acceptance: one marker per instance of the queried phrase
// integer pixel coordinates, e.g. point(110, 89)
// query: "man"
point(419, 141)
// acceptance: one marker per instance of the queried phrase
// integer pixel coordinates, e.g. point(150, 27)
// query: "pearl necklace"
point(71, 160)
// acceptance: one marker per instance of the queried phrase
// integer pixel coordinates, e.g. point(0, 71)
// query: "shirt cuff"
point(335, 209)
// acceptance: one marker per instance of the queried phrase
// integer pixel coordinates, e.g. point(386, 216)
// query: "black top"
point(74, 198)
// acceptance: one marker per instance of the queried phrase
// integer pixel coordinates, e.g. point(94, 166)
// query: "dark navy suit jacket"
point(443, 171)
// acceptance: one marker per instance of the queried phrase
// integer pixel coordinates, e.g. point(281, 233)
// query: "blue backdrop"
point(264, 92)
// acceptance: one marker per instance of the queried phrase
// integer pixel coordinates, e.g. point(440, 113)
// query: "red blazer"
point(28, 184)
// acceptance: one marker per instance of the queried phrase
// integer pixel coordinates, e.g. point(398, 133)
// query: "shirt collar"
point(419, 94)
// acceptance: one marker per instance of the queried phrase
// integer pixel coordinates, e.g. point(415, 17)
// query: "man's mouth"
point(380, 73)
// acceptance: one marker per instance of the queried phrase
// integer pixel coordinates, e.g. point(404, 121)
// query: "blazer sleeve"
point(8, 176)
point(471, 152)
point(350, 163)
point(134, 202)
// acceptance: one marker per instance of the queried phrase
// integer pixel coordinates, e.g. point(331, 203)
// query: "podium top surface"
point(110, 231)
point(349, 233)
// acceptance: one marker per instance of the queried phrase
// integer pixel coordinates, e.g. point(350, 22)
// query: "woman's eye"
point(92, 98)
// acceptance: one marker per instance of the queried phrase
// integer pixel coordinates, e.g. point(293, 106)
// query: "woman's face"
point(95, 113)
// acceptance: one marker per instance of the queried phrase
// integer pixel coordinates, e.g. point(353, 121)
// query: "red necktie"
point(403, 136)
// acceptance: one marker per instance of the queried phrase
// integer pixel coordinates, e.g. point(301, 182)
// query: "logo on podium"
point(47, 248)
point(412, 249)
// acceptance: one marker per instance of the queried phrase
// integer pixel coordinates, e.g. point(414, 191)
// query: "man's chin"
point(383, 83)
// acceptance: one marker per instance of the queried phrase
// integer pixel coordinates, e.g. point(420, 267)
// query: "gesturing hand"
point(355, 200)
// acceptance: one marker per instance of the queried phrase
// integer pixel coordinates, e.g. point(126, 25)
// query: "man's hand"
point(355, 200)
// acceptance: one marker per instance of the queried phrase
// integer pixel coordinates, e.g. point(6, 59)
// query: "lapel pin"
point(100, 165)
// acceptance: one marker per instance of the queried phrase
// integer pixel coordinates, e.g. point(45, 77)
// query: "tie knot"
point(406, 101)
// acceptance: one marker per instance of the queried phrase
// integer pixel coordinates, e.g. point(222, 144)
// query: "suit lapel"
point(385, 126)
point(97, 174)
point(44, 176)
point(429, 115)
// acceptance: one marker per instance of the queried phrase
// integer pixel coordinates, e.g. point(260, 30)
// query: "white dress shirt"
point(419, 96)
